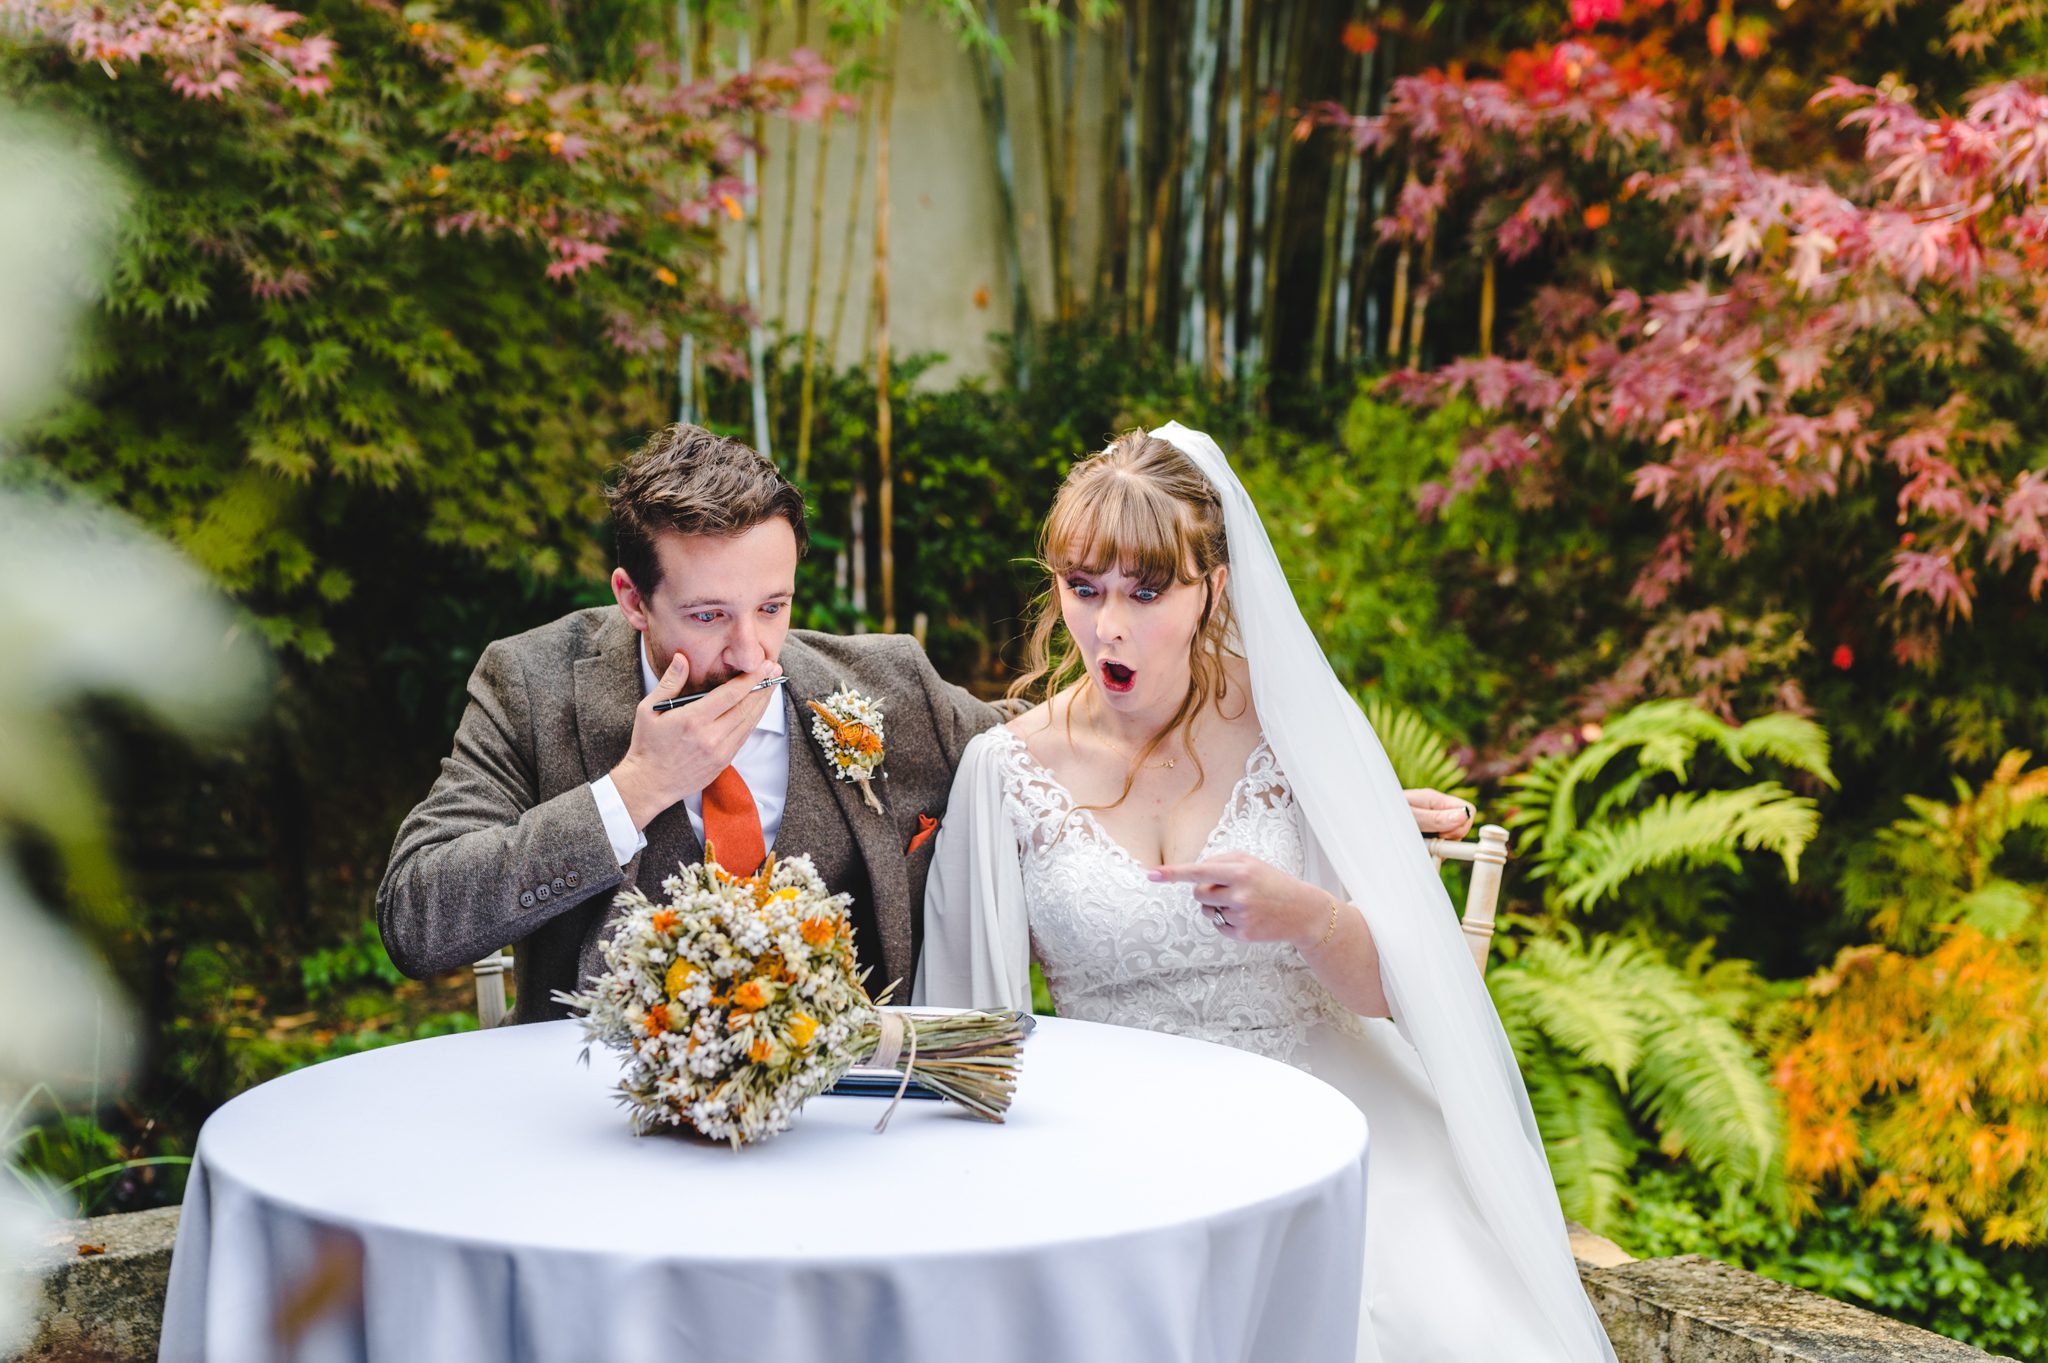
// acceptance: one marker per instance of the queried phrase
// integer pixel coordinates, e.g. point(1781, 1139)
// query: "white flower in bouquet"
point(739, 999)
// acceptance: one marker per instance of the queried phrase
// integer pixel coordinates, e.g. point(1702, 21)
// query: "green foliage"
point(1419, 754)
point(1994, 1299)
point(1371, 583)
point(427, 308)
point(1979, 861)
point(70, 1165)
point(1611, 1035)
point(361, 960)
point(1590, 827)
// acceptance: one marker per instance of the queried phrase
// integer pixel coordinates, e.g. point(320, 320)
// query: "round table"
point(481, 1196)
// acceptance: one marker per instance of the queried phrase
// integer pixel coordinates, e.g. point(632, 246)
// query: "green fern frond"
point(1420, 754)
point(1687, 830)
point(1669, 733)
point(1703, 1086)
point(1577, 998)
point(1665, 736)
point(1586, 1134)
point(1999, 908)
point(1790, 741)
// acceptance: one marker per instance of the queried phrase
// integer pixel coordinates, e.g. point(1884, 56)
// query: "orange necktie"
point(732, 826)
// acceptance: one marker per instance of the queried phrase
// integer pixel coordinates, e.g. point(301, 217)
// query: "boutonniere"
point(848, 727)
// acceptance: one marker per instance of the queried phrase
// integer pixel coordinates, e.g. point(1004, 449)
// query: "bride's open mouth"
point(1118, 678)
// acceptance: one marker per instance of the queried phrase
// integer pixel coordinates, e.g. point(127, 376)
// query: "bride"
point(1196, 831)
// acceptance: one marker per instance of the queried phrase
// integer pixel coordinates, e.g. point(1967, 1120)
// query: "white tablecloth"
point(481, 1196)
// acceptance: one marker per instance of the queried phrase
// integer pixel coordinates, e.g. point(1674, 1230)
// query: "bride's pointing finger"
point(1198, 873)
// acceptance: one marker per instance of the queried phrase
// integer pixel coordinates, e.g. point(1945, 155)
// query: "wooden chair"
point(490, 987)
point(1489, 858)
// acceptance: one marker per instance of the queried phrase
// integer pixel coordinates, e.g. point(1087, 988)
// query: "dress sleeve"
point(977, 940)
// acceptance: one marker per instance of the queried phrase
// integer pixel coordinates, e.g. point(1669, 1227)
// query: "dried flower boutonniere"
point(848, 726)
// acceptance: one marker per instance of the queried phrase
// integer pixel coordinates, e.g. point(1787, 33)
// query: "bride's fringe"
point(1142, 507)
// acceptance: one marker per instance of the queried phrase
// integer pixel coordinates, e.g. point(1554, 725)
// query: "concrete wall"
point(948, 288)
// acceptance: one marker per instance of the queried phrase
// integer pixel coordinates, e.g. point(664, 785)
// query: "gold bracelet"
point(1331, 930)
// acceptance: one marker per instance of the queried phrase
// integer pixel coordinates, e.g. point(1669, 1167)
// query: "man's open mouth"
point(1117, 677)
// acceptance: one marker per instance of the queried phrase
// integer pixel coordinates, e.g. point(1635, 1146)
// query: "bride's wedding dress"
point(1119, 948)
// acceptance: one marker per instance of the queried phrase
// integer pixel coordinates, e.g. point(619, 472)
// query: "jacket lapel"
point(607, 692)
point(816, 795)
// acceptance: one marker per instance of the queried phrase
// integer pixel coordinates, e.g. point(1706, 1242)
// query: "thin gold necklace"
point(1118, 749)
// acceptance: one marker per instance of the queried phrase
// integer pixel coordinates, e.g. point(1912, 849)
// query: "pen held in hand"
point(663, 706)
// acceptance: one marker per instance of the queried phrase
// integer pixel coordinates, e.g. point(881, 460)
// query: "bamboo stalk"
point(1398, 308)
point(1110, 168)
point(1070, 166)
point(1194, 184)
point(885, 510)
point(686, 347)
point(1377, 99)
point(860, 172)
point(1326, 280)
point(803, 30)
point(1289, 69)
point(1370, 327)
point(1155, 235)
point(857, 549)
point(1347, 231)
point(699, 68)
point(1423, 286)
point(1136, 63)
point(1272, 34)
point(988, 73)
point(750, 236)
point(1237, 116)
point(1049, 157)
point(807, 388)
point(1486, 303)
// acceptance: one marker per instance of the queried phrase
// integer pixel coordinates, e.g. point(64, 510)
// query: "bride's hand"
point(1252, 900)
point(1439, 815)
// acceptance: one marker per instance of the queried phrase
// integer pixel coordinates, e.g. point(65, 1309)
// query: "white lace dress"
point(1021, 873)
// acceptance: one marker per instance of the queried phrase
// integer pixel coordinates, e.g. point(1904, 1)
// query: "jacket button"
point(571, 878)
point(560, 885)
point(541, 891)
point(526, 900)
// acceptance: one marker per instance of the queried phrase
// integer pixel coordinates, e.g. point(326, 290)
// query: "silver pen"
point(663, 706)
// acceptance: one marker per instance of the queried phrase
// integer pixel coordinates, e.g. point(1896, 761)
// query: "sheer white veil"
point(1354, 807)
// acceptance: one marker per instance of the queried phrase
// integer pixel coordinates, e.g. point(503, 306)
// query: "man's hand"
point(677, 754)
point(1439, 815)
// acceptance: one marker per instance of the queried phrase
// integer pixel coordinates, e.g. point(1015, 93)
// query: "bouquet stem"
point(969, 1058)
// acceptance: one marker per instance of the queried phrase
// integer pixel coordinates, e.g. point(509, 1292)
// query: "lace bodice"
point(1119, 948)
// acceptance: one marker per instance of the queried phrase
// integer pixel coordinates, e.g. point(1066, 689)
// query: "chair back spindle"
point(1489, 859)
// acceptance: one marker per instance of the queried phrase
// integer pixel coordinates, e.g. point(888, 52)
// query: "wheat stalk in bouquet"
point(738, 999)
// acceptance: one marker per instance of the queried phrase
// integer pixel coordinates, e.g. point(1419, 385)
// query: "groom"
point(566, 782)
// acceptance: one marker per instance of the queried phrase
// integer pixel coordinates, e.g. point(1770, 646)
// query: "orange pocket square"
point(926, 826)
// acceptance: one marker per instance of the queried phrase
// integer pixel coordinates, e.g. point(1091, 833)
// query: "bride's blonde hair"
point(1142, 507)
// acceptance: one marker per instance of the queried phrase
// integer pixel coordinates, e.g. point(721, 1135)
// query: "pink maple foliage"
point(1755, 389)
point(205, 51)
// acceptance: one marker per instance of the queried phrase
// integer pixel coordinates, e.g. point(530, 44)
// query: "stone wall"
point(101, 1284)
point(97, 1288)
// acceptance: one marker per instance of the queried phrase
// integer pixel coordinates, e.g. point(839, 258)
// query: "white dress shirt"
point(763, 763)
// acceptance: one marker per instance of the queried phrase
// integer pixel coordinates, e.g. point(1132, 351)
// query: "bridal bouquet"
point(738, 999)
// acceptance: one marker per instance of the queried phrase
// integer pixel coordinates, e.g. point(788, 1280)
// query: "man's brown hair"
point(695, 482)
